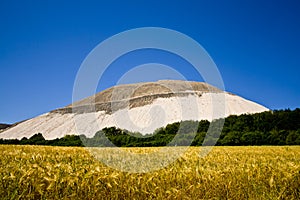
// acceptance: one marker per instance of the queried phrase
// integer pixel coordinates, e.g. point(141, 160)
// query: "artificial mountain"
point(141, 107)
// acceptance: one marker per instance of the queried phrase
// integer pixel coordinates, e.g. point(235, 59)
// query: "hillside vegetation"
point(268, 128)
point(4, 126)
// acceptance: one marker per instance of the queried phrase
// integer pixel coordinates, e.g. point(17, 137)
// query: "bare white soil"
point(145, 119)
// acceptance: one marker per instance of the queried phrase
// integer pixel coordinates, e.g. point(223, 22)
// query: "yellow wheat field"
point(35, 172)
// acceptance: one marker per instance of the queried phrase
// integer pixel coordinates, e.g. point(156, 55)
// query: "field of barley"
point(41, 172)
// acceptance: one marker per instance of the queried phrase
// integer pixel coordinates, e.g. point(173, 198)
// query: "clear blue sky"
point(255, 44)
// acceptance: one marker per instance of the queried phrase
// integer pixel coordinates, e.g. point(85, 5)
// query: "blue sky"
point(255, 45)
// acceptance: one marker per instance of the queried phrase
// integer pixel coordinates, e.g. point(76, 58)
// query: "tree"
point(252, 138)
point(232, 138)
point(293, 138)
point(36, 139)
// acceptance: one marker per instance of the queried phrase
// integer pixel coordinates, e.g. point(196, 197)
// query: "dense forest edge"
point(278, 127)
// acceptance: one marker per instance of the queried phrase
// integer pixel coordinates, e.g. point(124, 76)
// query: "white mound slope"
point(149, 107)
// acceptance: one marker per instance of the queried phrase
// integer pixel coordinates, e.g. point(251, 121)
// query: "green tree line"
point(279, 127)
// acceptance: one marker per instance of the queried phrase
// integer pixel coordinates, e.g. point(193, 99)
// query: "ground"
point(39, 172)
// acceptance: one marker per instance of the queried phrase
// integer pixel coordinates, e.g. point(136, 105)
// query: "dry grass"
point(34, 172)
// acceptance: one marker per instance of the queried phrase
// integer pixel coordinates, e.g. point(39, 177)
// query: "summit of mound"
point(137, 95)
point(129, 91)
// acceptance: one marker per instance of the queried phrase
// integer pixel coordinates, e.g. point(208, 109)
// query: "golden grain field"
point(38, 172)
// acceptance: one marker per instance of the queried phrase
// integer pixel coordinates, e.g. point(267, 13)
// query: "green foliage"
point(293, 138)
point(67, 140)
